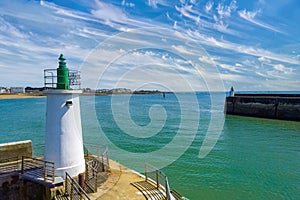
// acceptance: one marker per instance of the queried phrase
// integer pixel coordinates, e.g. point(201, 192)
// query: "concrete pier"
point(273, 106)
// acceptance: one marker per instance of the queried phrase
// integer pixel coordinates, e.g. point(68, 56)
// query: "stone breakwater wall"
point(273, 106)
point(16, 149)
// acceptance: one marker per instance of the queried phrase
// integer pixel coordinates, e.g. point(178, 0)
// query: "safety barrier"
point(37, 169)
point(73, 189)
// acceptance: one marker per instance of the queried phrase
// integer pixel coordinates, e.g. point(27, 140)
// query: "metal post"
point(103, 169)
point(22, 167)
point(71, 192)
point(157, 179)
point(45, 171)
point(167, 188)
point(66, 184)
point(107, 156)
point(146, 173)
point(53, 172)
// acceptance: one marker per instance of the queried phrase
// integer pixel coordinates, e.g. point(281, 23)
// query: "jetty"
point(23, 176)
point(69, 168)
point(269, 105)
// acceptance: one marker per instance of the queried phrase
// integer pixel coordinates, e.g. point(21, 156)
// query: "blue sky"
point(172, 45)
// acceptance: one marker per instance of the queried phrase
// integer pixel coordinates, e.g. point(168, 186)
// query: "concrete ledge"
point(16, 149)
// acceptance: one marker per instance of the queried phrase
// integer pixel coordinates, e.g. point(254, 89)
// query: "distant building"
point(4, 90)
point(103, 91)
point(121, 91)
point(34, 89)
point(16, 90)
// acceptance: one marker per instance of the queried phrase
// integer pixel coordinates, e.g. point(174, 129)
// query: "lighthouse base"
point(71, 170)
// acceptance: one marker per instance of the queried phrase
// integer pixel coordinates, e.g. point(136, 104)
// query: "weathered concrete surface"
point(283, 107)
point(118, 186)
point(14, 149)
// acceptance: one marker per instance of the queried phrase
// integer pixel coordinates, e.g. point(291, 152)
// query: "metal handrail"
point(105, 158)
point(95, 150)
point(158, 178)
point(10, 164)
point(91, 176)
point(73, 189)
point(160, 181)
point(38, 168)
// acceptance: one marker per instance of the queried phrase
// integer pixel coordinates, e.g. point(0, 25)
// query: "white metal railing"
point(50, 78)
point(159, 179)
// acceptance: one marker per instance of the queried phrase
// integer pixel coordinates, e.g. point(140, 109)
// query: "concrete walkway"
point(118, 186)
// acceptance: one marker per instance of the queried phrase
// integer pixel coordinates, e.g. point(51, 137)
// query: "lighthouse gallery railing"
point(50, 78)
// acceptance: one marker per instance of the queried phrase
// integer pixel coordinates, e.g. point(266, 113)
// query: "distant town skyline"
point(184, 45)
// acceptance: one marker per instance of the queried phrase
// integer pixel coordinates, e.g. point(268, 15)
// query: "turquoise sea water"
point(252, 159)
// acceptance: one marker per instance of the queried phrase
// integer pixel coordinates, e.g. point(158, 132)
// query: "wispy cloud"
point(208, 7)
point(282, 68)
point(44, 29)
point(226, 10)
point(221, 14)
point(230, 68)
point(187, 11)
point(254, 51)
point(128, 4)
point(250, 17)
point(154, 3)
point(108, 12)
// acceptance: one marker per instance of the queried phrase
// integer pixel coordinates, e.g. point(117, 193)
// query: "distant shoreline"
point(41, 95)
point(20, 96)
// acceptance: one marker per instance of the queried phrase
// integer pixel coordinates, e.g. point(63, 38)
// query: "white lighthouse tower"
point(63, 139)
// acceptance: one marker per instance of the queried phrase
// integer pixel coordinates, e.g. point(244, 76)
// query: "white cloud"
point(250, 17)
point(182, 49)
point(66, 12)
point(193, 1)
point(221, 26)
point(226, 10)
point(154, 3)
point(139, 68)
point(276, 67)
point(222, 16)
point(282, 68)
point(229, 68)
point(128, 4)
point(11, 30)
point(208, 6)
point(264, 60)
point(108, 12)
point(43, 30)
point(243, 49)
point(206, 59)
point(187, 11)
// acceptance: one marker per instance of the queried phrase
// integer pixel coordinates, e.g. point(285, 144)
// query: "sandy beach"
point(17, 96)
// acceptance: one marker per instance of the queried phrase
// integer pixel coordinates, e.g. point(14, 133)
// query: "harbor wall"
point(273, 106)
point(16, 149)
